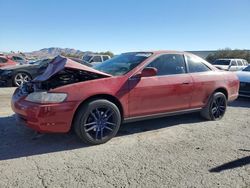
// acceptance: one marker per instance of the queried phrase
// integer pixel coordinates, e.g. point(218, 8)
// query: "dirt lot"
point(180, 151)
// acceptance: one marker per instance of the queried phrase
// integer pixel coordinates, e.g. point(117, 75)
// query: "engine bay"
point(64, 77)
point(67, 76)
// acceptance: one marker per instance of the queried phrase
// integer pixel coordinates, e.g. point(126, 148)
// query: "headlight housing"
point(45, 97)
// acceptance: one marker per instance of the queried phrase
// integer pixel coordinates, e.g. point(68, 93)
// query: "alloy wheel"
point(21, 78)
point(100, 123)
point(218, 107)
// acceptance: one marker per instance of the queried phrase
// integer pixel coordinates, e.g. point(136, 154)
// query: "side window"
point(3, 60)
point(105, 58)
point(97, 59)
point(169, 64)
point(246, 63)
point(196, 65)
point(239, 62)
point(233, 63)
point(18, 58)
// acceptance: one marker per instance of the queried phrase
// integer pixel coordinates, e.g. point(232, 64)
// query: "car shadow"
point(240, 102)
point(231, 165)
point(18, 141)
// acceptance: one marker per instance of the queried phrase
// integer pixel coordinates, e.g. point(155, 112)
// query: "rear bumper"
point(233, 97)
point(44, 118)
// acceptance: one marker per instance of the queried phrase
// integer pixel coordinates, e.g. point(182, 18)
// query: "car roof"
point(96, 54)
point(161, 52)
point(230, 59)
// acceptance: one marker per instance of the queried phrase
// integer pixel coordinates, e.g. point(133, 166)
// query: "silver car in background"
point(95, 59)
point(230, 64)
point(244, 77)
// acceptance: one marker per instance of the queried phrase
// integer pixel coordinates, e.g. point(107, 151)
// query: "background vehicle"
point(19, 59)
point(81, 61)
point(95, 59)
point(129, 87)
point(19, 74)
point(4, 62)
point(244, 77)
point(230, 64)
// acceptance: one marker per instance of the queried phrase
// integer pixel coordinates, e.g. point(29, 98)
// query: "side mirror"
point(149, 71)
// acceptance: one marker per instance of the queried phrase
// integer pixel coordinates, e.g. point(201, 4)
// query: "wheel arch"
point(108, 97)
point(22, 71)
point(219, 89)
point(222, 90)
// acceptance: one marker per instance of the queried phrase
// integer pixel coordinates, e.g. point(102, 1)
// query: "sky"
point(124, 25)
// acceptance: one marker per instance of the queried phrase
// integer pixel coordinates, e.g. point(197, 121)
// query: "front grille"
point(244, 86)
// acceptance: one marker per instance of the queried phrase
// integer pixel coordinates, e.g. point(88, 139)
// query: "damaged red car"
point(130, 87)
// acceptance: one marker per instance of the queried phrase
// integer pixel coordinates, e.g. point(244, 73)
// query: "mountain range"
point(54, 51)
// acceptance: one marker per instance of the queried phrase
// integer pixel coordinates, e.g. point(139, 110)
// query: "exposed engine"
point(64, 77)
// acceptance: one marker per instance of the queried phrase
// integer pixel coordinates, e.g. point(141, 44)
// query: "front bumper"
point(5, 81)
point(44, 118)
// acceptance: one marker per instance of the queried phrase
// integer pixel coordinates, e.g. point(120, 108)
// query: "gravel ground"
point(180, 151)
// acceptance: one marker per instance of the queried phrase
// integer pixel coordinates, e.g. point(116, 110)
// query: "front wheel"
point(97, 121)
point(21, 78)
point(216, 107)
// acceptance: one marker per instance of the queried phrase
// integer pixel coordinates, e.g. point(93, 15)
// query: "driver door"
point(170, 90)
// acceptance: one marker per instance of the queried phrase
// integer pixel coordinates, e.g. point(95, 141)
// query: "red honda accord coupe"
point(129, 87)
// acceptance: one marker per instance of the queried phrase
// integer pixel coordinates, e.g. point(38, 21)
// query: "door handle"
point(186, 83)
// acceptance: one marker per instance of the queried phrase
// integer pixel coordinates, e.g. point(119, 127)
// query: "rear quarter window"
point(196, 64)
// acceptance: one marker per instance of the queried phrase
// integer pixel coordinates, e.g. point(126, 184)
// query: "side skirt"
point(160, 115)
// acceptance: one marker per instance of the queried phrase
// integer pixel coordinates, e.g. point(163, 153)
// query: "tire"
point(20, 78)
point(97, 121)
point(215, 108)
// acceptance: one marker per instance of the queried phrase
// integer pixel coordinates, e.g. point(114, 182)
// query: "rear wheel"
point(216, 107)
point(97, 121)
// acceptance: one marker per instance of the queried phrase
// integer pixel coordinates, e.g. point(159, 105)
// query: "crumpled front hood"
point(59, 63)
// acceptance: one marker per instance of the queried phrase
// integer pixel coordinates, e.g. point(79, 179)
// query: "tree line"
point(229, 53)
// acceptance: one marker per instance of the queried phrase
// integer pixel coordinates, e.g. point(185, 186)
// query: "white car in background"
point(230, 64)
point(95, 59)
point(244, 77)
